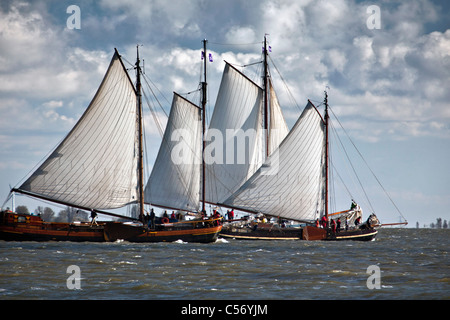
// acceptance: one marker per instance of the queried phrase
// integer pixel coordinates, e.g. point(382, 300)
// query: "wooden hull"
point(308, 233)
point(189, 233)
point(262, 232)
point(19, 227)
point(355, 234)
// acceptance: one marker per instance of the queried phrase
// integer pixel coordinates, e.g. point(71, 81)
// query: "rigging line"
point(385, 191)
point(336, 172)
point(336, 136)
point(146, 78)
point(245, 65)
point(234, 44)
point(342, 181)
point(154, 115)
point(285, 84)
point(132, 65)
point(154, 95)
point(354, 171)
point(188, 93)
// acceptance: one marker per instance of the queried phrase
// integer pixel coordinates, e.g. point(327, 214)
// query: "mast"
point(326, 153)
point(140, 133)
point(204, 99)
point(266, 94)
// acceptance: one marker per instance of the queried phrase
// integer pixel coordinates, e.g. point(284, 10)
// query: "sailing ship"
point(99, 167)
point(286, 172)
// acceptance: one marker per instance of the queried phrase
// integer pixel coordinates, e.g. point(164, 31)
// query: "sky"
point(386, 69)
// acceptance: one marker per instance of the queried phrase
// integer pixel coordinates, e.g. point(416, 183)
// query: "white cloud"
point(238, 34)
point(392, 73)
point(53, 104)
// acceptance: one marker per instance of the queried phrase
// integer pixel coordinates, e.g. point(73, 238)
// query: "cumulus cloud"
point(396, 72)
point(391, 74)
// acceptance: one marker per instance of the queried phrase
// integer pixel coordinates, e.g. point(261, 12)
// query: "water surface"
point(414, 264)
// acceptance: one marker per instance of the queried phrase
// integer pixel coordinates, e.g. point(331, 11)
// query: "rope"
point(365, 162)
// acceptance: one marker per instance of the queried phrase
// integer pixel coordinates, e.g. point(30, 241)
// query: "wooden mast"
point(204, 99)
point(140, 134)
point(326, 154)
point(266, 95)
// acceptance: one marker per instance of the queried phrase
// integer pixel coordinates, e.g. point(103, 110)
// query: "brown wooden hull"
point(261, 233)
point(20, 227)
point(308, 233)
point(367, 234)
point(189, 233)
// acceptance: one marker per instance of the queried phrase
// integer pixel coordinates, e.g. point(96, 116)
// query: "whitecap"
point(127, 262)
point(221, 240)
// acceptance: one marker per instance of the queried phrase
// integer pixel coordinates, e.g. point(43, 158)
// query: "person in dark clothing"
point(152, 219)
point(93, 218)
point(333, 225)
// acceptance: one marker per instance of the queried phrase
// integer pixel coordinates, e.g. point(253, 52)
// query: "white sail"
point(290, 184)
point(235, 136)
point(96, 164)
point(278, 127)
point(175, 178)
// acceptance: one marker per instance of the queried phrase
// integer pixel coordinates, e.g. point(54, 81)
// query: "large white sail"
point(175, 178)
point(235, 136)
point(96, 164)
point(278, 128)
point(291, 182)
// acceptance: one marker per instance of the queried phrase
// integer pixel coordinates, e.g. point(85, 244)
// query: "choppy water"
point(414, 264)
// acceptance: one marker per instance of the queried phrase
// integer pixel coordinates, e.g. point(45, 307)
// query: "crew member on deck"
point(324, 222)
point(216, 215)
point(93, 218)
point(333, 225)
point(152, 219)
